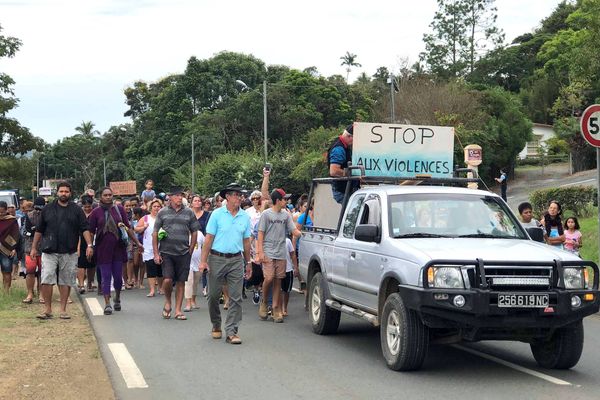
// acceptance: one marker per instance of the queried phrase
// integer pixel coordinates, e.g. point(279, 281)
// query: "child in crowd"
point(149, 193)
point(526, 213)
point(572, 236)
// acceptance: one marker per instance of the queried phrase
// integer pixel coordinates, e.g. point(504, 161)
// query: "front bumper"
point(481, 310)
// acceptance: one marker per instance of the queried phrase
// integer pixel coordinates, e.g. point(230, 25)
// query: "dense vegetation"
point(489, 92)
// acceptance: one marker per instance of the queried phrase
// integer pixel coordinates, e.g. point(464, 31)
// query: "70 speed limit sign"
point(590, 125)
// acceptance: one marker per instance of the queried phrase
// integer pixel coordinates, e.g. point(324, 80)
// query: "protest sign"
point(123, 188)
point(398, 150)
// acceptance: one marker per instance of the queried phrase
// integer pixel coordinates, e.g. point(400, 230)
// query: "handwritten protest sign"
point(397, 150)
point(123, 188)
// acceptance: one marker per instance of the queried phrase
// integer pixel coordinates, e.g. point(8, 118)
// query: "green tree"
point(14, 138)
point(87, 128)
point(463, 30)
point(349, 60)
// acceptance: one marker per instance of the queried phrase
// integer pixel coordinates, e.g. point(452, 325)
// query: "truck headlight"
point(445, 278)
point(574, 278)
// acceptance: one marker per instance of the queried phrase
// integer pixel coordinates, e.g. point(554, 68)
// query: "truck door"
point(340, 256)
point(366, 264)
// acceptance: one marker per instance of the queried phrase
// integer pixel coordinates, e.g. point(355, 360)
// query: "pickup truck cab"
point(11, 197)
point(443, 264)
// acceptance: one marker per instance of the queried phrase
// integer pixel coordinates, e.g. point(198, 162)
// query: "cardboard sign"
point(123, 188)
point(397, 150)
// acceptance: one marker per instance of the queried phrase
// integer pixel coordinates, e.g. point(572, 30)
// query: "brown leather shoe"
point(216, 334)
point(235, 339)
point(262, 311)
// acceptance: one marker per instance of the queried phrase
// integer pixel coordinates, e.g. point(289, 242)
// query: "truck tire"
point(324, 320)
point(562, 350)
point(404, 337)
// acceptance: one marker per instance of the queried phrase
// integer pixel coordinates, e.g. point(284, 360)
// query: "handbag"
point(123, 236)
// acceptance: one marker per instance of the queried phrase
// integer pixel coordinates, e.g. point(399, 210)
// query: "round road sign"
point(590, 125)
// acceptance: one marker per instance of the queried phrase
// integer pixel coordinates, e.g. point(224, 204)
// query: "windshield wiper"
point(487, 235)
point(419, 235)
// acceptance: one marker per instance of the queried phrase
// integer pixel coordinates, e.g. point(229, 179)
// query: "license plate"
point(523, 300)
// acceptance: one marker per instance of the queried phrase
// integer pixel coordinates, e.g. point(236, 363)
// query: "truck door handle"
point(352, 255)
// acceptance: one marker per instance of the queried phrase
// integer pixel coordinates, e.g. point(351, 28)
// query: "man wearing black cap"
point(274, 226)
point(175, 250)
point(225, 252)
point(338, 157)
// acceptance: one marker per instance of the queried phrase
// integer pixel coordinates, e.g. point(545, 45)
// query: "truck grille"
point(518, 278)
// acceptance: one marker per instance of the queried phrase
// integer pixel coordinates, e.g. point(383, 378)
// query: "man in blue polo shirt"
point(225, 252)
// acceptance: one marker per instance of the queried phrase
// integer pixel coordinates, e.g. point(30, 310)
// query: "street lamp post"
point(265, 138)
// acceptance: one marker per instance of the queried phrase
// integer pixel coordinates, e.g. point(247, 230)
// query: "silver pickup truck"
point(431, 264)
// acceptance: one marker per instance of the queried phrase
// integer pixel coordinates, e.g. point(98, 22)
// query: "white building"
point(541, 133)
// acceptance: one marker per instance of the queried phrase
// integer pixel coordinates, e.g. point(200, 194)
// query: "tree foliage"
point(14, 138)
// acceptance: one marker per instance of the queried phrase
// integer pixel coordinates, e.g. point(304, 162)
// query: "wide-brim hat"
point(175, 190)
point(232, 187)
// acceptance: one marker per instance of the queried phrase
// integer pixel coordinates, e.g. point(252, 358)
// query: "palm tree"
point(87, 128)
point(349, 60)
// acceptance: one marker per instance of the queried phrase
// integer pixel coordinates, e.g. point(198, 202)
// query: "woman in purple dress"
point(105, 222)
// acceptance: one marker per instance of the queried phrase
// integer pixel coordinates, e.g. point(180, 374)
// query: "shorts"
point(82, 261)
point(288, 282)
point(257, 276)
point(6, 263)
point(59, 269)
point(176, 268)
point(153, 270)
point(33, 265)
point(274, 268)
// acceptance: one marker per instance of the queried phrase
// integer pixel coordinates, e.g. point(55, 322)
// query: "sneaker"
point(117, 306)
point(108, 310)
point(256, 298)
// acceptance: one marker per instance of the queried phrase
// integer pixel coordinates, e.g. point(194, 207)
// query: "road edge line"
point(129, 370)
point(514, 366)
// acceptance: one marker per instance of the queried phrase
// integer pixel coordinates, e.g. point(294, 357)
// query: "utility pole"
point(265, 116)
point(193, 169)
point(104, 163)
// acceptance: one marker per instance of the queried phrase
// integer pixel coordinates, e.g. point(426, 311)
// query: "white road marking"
point(131, 373)
point(577, 183)
point(94, 306)
point(519, 368)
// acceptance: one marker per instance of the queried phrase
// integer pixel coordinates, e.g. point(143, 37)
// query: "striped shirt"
point(178, 225)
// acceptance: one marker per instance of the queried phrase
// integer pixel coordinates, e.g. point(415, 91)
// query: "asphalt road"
point(179, 359)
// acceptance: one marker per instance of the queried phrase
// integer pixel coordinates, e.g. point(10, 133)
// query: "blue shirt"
point(229, 231)
point(337, 155)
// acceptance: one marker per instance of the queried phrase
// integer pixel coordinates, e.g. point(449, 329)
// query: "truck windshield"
point(451, 215)
point(8, 198)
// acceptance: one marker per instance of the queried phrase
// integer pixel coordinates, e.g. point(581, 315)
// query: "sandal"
point(64, 316)
point(235, 339)
point(166, 314)
point(180, 317)
point(44, 316)
point(27, 301)
point(186, 309)
point(42, 301)
point(81, 289)
point(150, 295)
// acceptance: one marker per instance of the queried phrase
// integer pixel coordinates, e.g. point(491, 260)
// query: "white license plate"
point(523, 300)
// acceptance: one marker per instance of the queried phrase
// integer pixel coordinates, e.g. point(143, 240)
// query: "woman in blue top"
point(305, 219)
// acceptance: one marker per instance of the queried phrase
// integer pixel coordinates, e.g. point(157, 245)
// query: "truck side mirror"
point(536, 234)
point(367, 233)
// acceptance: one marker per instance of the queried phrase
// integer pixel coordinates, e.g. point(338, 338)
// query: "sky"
point(78, 56)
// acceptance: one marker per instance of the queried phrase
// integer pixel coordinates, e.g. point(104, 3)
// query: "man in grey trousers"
point(225, 252)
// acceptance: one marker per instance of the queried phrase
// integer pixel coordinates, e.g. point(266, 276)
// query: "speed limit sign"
point(590, 125)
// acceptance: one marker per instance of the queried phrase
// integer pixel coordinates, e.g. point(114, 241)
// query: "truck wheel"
point(324, 320)
point(562, 350)
point(404, 338)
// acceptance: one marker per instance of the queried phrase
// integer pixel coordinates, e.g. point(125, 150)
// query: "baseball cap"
point(279, 194)
point(350, 129)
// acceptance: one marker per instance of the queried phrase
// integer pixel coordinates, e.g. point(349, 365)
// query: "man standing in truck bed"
point(339, 155)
